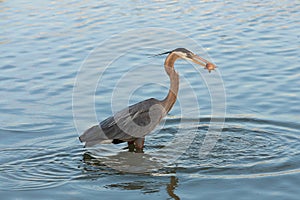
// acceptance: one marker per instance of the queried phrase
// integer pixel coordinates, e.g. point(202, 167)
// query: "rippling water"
point(63, 63)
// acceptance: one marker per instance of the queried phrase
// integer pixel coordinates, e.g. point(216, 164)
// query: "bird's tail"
point(93, 136)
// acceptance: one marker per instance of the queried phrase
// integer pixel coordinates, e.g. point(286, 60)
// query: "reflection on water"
point(97, 165)
point(172, 186)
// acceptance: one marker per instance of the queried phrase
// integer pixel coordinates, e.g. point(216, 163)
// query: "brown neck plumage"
point(170, 99)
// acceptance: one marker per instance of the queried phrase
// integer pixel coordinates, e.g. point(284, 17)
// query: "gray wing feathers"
point(93, 135)
point(133, 122)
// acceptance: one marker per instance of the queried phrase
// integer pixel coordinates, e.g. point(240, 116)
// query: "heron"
point(133, 123)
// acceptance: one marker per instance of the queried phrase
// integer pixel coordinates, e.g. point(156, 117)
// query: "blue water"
point(65, 65)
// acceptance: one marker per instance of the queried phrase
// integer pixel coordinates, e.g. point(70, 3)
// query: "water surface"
point(45, 45)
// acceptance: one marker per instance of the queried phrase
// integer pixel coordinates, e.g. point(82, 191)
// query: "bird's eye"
point(189, 55)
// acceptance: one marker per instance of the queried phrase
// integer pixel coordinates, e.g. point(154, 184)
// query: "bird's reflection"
point(172, 186)
point(143, 182)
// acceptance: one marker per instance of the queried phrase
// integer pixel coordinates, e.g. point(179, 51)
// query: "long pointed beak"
point(201, 61)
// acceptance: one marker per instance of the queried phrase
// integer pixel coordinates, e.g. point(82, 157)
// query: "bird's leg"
point(130, 146)
point(139, 145)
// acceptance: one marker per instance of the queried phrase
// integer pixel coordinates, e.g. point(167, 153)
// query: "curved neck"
point(170, 99)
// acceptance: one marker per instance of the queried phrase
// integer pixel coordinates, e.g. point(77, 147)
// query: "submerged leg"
point(130, 146)
point(139, 145)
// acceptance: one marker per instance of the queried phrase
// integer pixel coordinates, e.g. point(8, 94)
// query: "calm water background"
point(256, 46)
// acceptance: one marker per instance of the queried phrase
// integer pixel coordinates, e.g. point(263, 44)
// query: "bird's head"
point(190, 56)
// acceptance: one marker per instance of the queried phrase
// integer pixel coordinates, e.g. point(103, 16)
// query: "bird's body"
point(132, 124)
point(118, 128)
